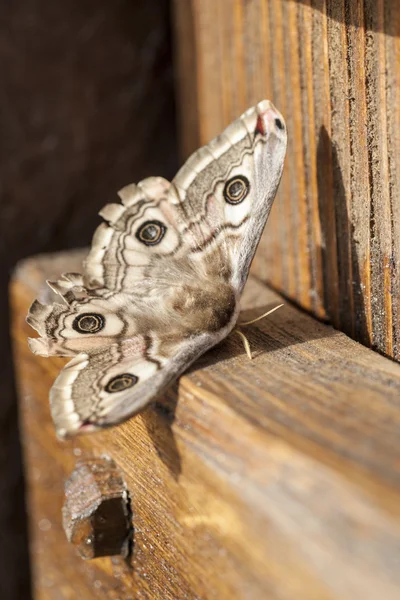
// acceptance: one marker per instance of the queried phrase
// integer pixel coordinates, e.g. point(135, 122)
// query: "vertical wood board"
point(332, 67)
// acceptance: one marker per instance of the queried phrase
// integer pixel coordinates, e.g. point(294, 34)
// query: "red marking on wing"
point(87, 427)
point(260, 126)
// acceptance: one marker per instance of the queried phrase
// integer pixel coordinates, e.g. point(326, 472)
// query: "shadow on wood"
point(343, 296)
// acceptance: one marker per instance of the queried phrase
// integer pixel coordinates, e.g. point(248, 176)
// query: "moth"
point(163, 279)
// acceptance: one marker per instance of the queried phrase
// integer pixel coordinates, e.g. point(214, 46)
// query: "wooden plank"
point(274, 478)
point(332, 68)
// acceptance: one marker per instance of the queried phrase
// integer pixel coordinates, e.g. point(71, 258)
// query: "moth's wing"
point(124, 352)
point(112, 384)
point(132, 250)
point(226, 189)
point(206, 223)
point(84, 320)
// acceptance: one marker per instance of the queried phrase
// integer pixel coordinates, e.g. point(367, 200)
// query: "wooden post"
point(332, 67)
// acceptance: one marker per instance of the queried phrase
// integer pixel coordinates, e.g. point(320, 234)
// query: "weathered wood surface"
point(332, 67)
point(277, 478)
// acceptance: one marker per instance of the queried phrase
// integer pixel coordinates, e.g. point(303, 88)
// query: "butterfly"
point(162, 282)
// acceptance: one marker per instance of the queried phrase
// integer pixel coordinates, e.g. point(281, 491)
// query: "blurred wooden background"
point(86, 106)
point(332, 67)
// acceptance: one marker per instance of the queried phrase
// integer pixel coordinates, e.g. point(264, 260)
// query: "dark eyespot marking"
point(236, 189)
point(279, 124)
point(151, 233)
point(89, 323)
point(121, 382)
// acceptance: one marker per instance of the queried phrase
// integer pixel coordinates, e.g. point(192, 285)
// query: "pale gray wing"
point(163, 279)
point(124, 354)
point(226, 190)
point(205, 224)
point(108, 386)
point(132, 250)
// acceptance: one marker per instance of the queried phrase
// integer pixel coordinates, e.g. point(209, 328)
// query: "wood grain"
point(275, 478)
point(332, 67)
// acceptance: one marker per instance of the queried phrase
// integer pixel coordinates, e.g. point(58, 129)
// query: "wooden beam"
point(273, 478)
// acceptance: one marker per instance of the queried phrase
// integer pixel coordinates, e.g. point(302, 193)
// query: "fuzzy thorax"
point(202, 310)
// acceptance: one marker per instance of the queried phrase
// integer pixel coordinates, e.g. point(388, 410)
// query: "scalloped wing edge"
point(71, 289)
point(68, 422)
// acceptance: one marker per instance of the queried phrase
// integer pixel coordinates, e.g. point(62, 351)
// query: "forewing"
point(205, 224)
point(226, 189)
